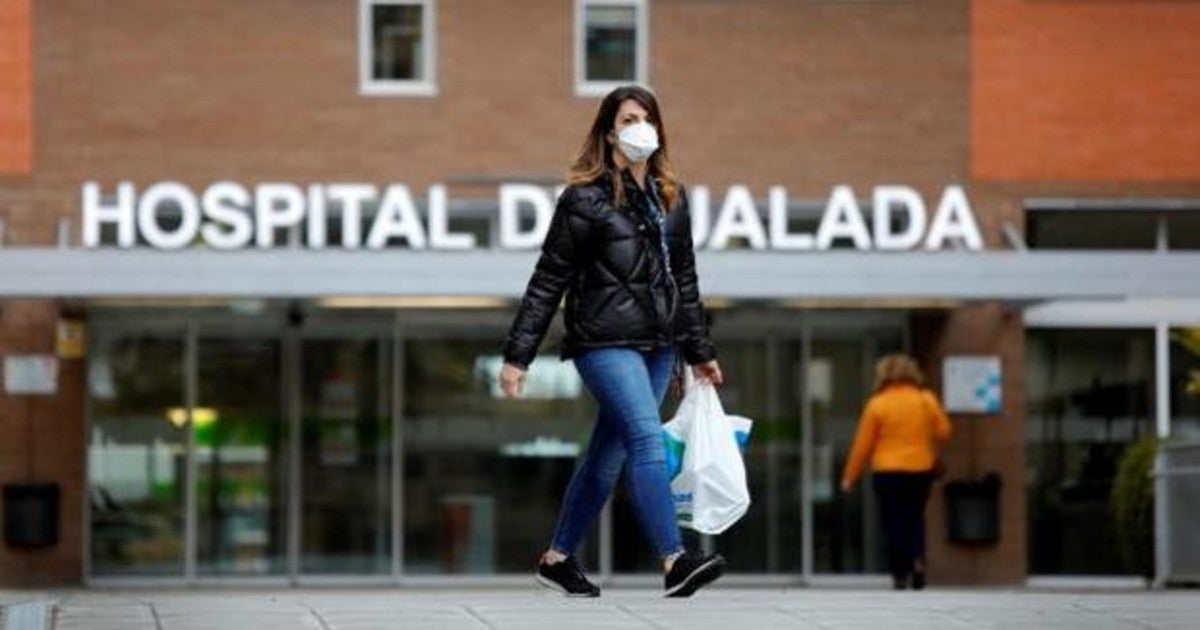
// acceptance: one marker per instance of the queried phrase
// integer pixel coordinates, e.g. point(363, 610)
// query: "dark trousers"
point(902, 497)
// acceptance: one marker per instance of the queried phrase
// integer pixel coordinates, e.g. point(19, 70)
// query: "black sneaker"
point(691, 571)
point(918, 580)
point(566, 577)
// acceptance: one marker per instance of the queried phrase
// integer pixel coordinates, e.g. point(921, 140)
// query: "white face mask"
point(638, 141)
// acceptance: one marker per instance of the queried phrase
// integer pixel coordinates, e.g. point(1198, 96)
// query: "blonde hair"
point(595, 156)
point(897, 368)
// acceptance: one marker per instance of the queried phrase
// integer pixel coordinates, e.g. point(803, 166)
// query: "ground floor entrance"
point(298, 442)
point(282, 442)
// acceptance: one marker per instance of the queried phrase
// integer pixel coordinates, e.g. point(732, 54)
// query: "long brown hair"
point(595, 156)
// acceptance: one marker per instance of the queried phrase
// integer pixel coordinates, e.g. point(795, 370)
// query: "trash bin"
point(973, 510)
point(31, 515)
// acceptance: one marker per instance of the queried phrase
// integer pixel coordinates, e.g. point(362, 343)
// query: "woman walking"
point(900, 431)
point(620, 248)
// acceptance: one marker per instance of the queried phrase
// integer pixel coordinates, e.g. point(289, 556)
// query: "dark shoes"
point(918, 579)
point(915, 579)
point(917, 575)
point(567, 578)
point(691, 571)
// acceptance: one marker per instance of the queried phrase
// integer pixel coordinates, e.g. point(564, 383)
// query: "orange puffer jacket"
point(900, 430)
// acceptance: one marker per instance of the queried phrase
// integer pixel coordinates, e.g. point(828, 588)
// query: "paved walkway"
point(721, 608)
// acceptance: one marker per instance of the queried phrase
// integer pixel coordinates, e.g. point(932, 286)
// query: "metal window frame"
point(398, 399)
point(191, 358)
point(807, 550)
point(292, 357)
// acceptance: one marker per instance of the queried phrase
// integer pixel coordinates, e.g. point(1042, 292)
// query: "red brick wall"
point(16, 87)
point(1085, 90)
point(812, 94)
point(807, 95)
point(43, 442)
point(981, 443)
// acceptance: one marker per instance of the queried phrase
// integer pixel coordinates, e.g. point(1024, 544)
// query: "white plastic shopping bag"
point(704, 460)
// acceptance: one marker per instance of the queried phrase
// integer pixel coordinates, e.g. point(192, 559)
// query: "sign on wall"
point(971, 384)
point(30, 374)
point(70, 341)
point(228, 215)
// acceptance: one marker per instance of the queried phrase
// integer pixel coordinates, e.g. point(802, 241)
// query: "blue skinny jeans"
point(628, 385)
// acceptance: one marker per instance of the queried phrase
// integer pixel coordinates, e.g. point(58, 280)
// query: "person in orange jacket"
point(901, 430)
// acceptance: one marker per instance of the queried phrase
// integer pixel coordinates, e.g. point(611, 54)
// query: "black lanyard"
point(649, 205)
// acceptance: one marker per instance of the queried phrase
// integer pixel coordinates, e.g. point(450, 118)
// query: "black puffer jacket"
point(608, 262)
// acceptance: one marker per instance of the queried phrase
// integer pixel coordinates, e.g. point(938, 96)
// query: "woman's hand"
point(511, 380)
point(709, 371)
point(847, 486)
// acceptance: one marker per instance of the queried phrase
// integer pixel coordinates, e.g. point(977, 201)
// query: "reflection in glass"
point(483, 475)
point(1185, 383)
point(136, 455)
point(240, 457)
point(611, 43)
point(1089, 394)
point(346, 514)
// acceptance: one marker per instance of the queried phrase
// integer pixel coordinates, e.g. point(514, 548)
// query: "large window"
point(1116, 224)
point(610, 44)
point(136, 454)
point(397, 44)
point(1185, 383)
point(1089, 395)
point(1093, 230)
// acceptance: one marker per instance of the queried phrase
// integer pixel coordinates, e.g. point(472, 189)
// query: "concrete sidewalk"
point(720, 608)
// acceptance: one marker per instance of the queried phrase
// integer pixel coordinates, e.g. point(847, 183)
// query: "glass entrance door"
point(346, 445)
point(484, 474)
point(762, 384)
point(838, 381)
point(372, 444)
point(242, 444)
point(136, 453)
point(241, 456)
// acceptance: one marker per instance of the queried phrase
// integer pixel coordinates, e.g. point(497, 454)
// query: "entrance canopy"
point(1021, 276)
